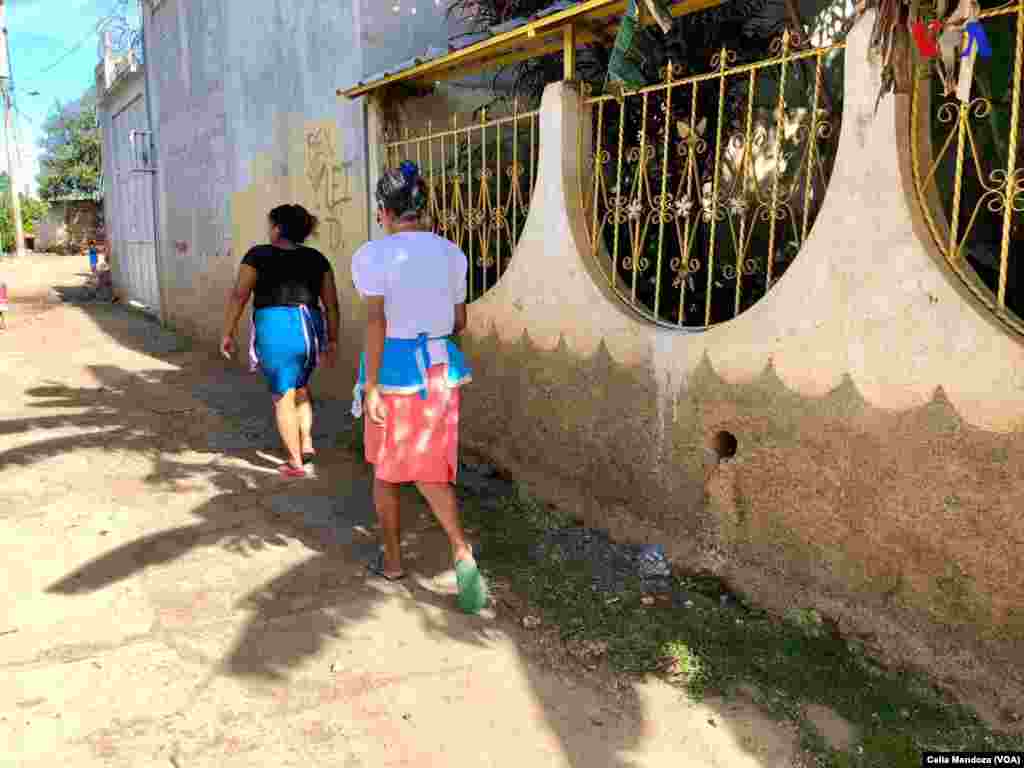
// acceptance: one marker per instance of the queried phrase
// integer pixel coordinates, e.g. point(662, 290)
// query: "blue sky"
point(59, 36)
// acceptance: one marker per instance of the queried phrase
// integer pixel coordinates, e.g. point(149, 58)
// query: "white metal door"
point(131, 231)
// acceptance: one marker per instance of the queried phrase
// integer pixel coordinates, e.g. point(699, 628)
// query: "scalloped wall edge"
point(865, 299)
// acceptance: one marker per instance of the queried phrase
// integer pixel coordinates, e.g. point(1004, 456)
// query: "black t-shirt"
point(287, 278)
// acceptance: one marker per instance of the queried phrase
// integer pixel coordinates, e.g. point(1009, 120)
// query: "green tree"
point(70, 163)
point(32, 210)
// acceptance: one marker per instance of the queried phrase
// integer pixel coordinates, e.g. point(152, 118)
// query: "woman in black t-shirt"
point(289, 282)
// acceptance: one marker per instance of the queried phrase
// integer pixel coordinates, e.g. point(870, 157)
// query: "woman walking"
point(289, 282)
point(414, 284)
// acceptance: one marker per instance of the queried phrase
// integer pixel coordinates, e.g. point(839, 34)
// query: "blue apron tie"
point(423, 363)
point(314, 337)
point(421, 354)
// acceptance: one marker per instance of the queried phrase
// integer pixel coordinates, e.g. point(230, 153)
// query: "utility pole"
point(7, 85)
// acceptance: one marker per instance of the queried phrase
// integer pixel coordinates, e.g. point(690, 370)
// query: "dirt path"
point(167, 601)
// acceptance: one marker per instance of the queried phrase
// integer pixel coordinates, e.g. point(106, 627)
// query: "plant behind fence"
point(481, 177)
point(692, 217)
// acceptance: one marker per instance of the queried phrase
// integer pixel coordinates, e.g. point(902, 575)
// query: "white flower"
point(635, 209)
point(683, 206)
point(707, 202)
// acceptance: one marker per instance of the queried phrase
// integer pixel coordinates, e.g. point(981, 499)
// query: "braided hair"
point(403, 191)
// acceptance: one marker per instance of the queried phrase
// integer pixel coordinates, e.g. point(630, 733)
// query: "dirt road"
point(167, 601)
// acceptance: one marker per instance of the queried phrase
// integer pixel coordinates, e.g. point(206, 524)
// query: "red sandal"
point(289, 472)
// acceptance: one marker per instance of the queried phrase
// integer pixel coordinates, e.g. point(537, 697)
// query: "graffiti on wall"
point(331, 183)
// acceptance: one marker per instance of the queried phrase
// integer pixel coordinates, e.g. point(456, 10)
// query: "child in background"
point(104, 282)
point(93, 256)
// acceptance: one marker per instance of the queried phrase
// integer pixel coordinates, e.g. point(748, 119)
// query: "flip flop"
point(308, 465)
point(289, 472)
point(472, 589)
point(376, 567)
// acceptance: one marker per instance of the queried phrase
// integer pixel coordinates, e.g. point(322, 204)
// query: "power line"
point(30, 120)
point(17, 136)
point(73, 49)
point(110, 16)
point(113, 14)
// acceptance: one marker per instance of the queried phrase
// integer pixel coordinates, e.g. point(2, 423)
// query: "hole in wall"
point(723, 445)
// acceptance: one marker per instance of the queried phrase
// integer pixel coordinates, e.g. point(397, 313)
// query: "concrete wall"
point(877, 409)
point(185, 54)
point(69, 225)
point(128, 192)
point(243, 94)
point(51, 231)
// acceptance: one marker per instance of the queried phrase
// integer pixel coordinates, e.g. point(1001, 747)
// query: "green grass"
point(710, 649)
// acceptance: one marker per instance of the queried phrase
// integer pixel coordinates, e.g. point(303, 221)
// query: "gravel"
point(613, 565)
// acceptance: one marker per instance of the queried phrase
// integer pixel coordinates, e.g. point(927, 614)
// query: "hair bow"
point(409, 170)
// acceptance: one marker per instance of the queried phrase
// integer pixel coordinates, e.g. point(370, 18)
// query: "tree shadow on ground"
point(322, 598)
point(252, 511)
point(316, 600)
point(313, 601)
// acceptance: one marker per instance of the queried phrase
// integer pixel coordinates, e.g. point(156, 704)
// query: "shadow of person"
point(315, 599)
point(322, 594)
point(322, 597)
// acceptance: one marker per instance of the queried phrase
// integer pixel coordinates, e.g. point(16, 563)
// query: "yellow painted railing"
point(693, 219)
point(968, 169)
point(481, 176)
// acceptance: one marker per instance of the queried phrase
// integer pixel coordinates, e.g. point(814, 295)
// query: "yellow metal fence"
point(481, 176)
point(968, 170)
point(700, 190)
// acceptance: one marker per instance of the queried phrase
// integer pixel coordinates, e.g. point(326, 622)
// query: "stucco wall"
point(244, 96)
point(51, 231)
point(68, 225)
point(186, 55)
point(877, 411)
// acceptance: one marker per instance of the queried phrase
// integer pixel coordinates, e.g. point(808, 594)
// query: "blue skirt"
point(287, 343)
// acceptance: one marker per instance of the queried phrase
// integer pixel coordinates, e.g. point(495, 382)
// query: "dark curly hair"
point(294, 221)
point(403, 192)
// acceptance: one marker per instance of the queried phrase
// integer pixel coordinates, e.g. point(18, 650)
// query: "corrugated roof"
point(76, 198)
point(515, 40)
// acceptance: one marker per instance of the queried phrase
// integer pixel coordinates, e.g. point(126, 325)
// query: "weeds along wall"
point(849, 441)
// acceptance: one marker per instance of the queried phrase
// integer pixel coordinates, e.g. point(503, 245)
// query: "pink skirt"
point(419, 441)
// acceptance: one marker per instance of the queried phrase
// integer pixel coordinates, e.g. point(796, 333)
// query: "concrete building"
point(245, 116)
point(850, 441)
point(70, 223)
point(128, 178)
